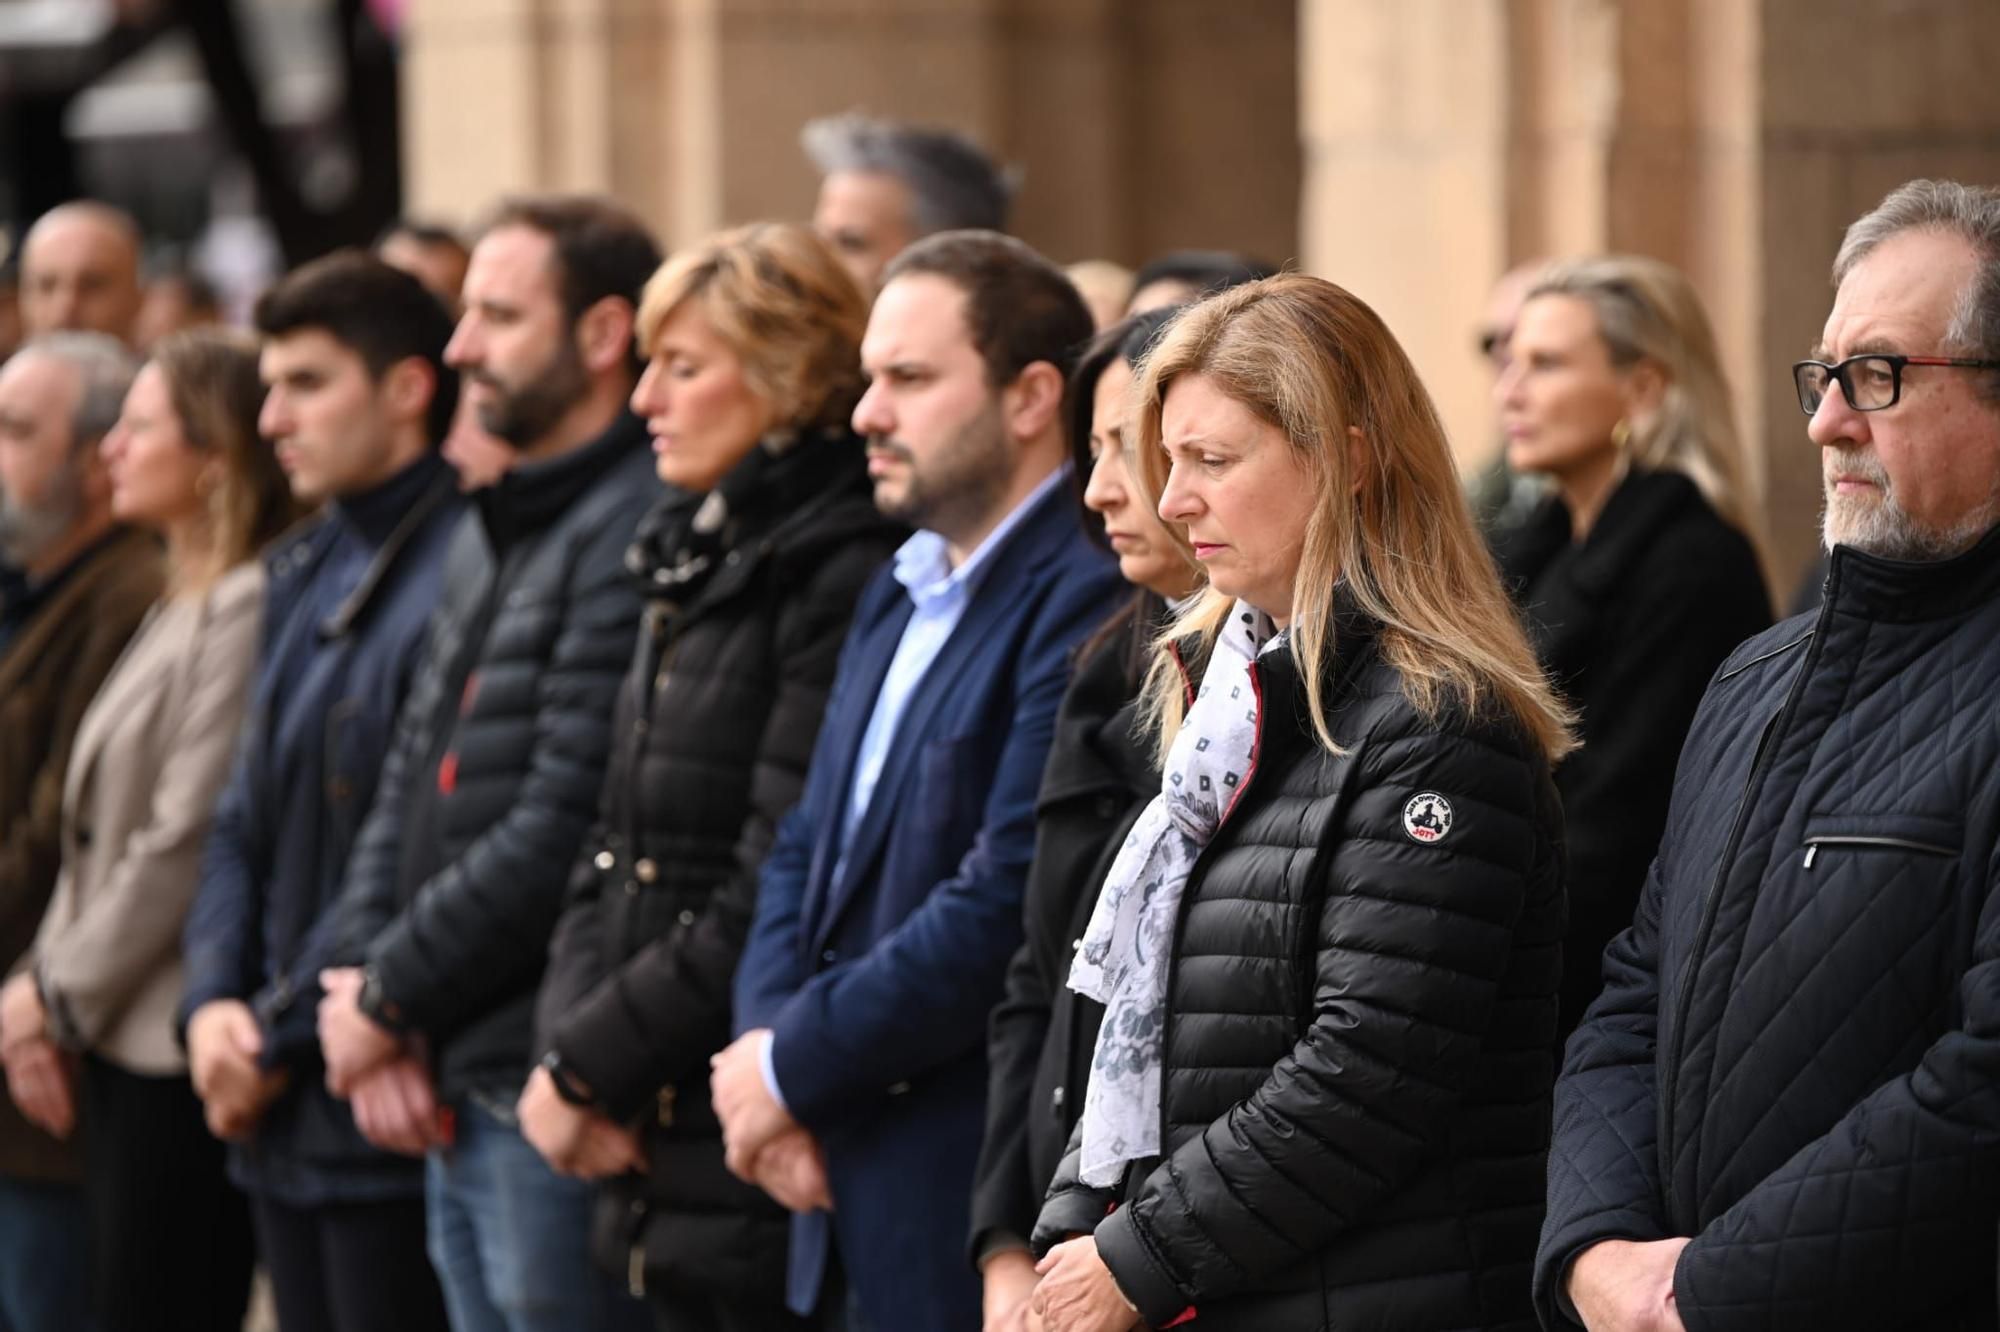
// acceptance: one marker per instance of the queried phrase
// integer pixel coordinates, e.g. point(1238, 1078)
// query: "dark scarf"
point(686, 538)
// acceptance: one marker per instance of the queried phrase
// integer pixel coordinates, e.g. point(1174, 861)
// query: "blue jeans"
point(44, 1257)
point(510, 1238)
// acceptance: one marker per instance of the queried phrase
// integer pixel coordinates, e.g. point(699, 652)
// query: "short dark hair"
point(1019, 307)
point(381, 313)
point(424, 233)
point(1207, 271)
point(601, 249)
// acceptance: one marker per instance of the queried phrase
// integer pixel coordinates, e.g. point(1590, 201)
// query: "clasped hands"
point(375, 1070)
point(763, 1144)
point(1627, 1286)
point(225, 1045)
point(40, 1077)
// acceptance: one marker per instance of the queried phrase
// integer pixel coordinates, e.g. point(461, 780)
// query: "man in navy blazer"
point(891, 898)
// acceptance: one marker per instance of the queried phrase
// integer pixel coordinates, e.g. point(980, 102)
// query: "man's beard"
point(27, 531)
point(1881, 526)
point(956, 487)
point(523, 416)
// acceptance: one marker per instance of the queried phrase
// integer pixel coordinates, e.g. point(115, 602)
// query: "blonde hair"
point(779, 298)
point(216, 394)
point(1647, 311)
point(1313, 360)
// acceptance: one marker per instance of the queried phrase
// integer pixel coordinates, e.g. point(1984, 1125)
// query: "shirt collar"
point(923, 563)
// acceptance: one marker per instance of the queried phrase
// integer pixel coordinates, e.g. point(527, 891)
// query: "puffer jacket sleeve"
point(1072, 1207)
point(480, 927)
point(1412, 945)
point(659, 1016)
point(1875, 1223)
point(1604, 1177)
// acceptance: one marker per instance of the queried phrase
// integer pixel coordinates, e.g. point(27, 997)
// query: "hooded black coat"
point(713, 729)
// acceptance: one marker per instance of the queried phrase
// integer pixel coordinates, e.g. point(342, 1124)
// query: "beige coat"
point(150, 759)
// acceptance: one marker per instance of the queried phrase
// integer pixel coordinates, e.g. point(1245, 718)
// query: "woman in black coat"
point(1329, 948)
point(1100, 773)
point(751, 569)
point(1637, 574)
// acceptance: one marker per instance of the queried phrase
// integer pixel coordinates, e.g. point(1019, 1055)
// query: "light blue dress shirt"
point(941, 594)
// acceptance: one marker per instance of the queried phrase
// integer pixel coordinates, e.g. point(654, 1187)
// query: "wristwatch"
point(564, 1079)
point(379, 1006)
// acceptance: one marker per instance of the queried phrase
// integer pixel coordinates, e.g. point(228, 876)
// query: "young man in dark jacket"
point(493, 777)
point(85, 585)
point(1784, 1110)
point(890, 902)
point(358, 397)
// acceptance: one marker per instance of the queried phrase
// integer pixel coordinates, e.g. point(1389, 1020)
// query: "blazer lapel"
point(871, 658)
point(993, 603)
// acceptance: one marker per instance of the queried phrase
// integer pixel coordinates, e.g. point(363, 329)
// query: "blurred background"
point(1412, 150)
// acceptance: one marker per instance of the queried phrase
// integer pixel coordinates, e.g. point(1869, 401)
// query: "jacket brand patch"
point(1427, 818)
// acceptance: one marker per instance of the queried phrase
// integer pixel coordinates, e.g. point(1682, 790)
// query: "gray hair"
point(1969, 212)
point(953, 185)
point(104, 369)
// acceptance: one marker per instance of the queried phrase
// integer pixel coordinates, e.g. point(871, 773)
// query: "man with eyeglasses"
point(1784, 1110)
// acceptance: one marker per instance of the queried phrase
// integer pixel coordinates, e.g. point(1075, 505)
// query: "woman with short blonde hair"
point(1639, 572)
point(751, 568)
point(1328, 950)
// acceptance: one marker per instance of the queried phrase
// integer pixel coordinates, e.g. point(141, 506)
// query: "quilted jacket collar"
point(1911, 592)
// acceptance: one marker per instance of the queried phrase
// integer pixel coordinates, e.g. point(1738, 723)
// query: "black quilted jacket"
point(1796, 1059)
point(714, 726)
point(1360, 1032)
point(457, 877)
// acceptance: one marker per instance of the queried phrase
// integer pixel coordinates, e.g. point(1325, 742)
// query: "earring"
point(1621, 434)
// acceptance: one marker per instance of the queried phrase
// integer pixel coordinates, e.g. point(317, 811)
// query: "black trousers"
point(350, 1267)
point(699, 1313)
point(170, 1236)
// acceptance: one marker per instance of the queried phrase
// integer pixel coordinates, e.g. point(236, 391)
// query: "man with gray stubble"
point(884, 185)
point(86, 585)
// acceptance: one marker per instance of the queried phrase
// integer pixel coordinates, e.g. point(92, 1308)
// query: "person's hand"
point(396, 1109)
point(1077, 1292)
point(22, 1017)
point(39, 1079)
point(1627, 1286)
point(224, 1043)
point(750, 1115)
point(573, 1140)
point(351, 1042)
point(1009, 1280)
point(791, 1169)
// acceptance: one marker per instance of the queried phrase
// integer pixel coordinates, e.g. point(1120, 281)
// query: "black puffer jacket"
point(1796, 1059)
point(1100, 775)
point(1359, 1042)
point(457, 877)
point(1630, 623)
point(714, 726)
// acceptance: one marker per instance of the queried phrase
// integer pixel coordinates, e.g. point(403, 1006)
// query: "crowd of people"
point(848, 778)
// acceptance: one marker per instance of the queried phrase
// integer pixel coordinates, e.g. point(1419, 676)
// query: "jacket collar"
point(1910, 591)
point(531, 497)
point(1627, 528)
point(375, 515)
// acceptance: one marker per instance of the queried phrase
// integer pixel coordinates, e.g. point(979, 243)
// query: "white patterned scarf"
point(1122, 962)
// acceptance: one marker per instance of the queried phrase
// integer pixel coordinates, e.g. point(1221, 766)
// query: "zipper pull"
point(1812, 849)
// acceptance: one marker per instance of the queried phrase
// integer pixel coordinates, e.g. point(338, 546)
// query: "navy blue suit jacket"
point(877, 982)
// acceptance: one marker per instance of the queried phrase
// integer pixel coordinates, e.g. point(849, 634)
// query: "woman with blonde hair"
point(1639, 573)
point(1328, 951)
point(751, 568)
point(87, 1027)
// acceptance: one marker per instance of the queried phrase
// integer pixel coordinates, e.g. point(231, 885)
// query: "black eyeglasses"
point(1869, 383)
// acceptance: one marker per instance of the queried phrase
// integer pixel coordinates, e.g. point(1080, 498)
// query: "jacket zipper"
point(1201, 860)
point(1684, 992)
point(1813, 844)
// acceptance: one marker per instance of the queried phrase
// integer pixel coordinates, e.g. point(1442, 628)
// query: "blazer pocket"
point(1880, 835)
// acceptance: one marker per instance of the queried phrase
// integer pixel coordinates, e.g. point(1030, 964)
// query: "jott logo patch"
point(1427, 818)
